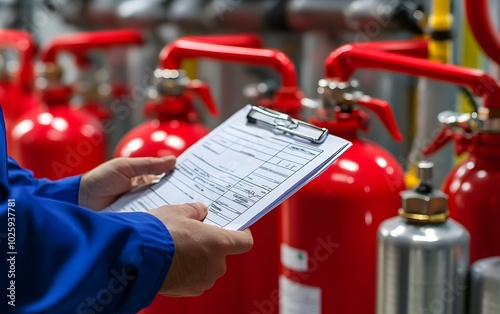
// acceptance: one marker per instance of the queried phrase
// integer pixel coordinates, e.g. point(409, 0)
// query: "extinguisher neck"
point(169, 107)
point(341, 123)
point(485, 147)
point(180, 116)
point(288, 100)
point(56, 95)
point(173, 93)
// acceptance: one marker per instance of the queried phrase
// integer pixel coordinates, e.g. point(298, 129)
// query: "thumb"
point(241, 241)
point(197, 211)
point(133, 167)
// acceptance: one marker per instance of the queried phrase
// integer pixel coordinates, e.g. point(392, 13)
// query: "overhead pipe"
point(172, 55)
point(79, 44)
point(418, 48)
point(287, 98)
point(483, 28)
point(345, 60)
point(238, 40)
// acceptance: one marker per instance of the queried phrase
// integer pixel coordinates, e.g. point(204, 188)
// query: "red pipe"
point(172, 55)
point(23, 43)
point(345, 60)
point(483, 28)
point(78, 44)
point(239, 40)
point(416, 47)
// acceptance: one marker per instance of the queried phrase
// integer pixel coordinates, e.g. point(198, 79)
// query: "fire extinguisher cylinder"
point(349, 201)
point(170, 102)
point(423, 256)
point(485, 286)
point(471, 185)
point(65, 141)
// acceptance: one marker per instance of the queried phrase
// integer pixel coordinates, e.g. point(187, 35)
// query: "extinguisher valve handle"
point(202, 90)
point(441, 139)
point(384, 112)
point(461, 128)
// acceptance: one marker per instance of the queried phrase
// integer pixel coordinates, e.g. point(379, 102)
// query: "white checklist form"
point(242, 169)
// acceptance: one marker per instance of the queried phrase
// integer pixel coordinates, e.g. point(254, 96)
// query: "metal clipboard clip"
point(287, 124)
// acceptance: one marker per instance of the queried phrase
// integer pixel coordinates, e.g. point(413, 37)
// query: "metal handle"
point(286, 124)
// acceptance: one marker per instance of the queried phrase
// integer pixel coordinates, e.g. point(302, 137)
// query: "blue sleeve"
point(72, 260)
point(64, 189)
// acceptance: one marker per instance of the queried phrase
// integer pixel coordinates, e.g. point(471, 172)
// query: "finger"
point(241, 241)
point(197, 211)
point(147, 165)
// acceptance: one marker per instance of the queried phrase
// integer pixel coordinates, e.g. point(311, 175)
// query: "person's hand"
point(200, 249)
point(104, 184)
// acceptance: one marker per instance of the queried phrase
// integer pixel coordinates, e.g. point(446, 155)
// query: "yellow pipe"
point(440, 20)
point(440, 50)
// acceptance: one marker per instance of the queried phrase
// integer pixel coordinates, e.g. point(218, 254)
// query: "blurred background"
point(116, 82)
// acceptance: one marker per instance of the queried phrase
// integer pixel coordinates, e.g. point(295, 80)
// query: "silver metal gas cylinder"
point(485, 286)
point(423, 256)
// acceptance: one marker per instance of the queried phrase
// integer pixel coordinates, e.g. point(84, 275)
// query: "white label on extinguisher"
point(296, 298)
point(293, 258)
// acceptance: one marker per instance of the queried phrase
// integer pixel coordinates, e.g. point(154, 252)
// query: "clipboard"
point(241, 170)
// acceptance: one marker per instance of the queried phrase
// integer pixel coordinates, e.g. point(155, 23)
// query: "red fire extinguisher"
point(56, 140)
point(329, 227)
point(90, 89)
point(91, 92)
point(470, 185)
point(175, 126)
point(330, 251)
point(253, 277)
point(16, 89)
point(345, 60)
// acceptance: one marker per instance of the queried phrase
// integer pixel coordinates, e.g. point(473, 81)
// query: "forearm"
point(70, 259)
point(65, 190)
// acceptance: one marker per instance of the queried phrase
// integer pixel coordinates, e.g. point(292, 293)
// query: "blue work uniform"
point(57, 257)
